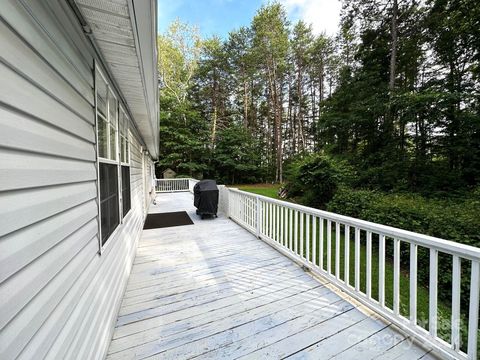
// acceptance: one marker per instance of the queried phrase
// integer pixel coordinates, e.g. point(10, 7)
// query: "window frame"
point(128, 139)
point(110, 92)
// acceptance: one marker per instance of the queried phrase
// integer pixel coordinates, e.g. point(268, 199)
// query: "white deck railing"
point(175, 185)
point(191, 184)
point(321, 241)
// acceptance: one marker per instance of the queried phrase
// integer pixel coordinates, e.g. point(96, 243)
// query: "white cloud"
point(323, 15)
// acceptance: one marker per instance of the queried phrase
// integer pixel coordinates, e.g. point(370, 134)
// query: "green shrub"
point(456, 220)
point(315, 179)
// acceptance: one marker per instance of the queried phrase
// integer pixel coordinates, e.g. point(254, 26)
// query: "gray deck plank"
point(212, 290)
point(236, 314)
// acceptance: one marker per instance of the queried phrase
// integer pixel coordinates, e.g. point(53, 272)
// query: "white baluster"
point(314, 239)
point(282, 226)
point(396, 276)
point(369, 265)
point(290, 228)
point(321, 241)
point(277, 232)
point(456, 283)
point(433, 293)
point(357, 259)
point(307, 235)
point(302, 237)
point(381, 271)
point(413, 283)
point(295, 223)
point(329, 246)
point(337, 250)
point(347, 254)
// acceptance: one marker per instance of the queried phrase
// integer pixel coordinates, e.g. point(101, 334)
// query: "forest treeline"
point(379, 122)
point(395, 94)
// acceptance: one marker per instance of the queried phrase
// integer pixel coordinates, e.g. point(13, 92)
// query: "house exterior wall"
point(59, 296)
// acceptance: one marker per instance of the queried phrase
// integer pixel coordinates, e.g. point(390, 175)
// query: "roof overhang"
point(125, 33)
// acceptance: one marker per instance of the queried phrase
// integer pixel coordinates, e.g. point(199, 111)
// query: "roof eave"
point(124, 34)
point(144, 23)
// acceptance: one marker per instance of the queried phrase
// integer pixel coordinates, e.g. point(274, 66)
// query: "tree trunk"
point(393, 56)
point(215, 115)
point(214, 127)
point(245, 104)
point(279, 139)
point(390, 114)
point(290, 119)
point(301, 135)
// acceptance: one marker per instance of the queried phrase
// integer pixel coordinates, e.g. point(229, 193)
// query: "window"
point(108, 199)
point(125, 162)
point(113, 159)
point(126, 189)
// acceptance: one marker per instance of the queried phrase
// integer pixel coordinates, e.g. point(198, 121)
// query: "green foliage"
point(183, 135)
point(455, 220)
point(178, 59)
point(270, 36)
point(421, 135)
point(314, 179)
point(452, 219)
point(236, 157)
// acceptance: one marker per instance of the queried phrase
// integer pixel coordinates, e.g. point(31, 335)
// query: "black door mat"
point(163, 220)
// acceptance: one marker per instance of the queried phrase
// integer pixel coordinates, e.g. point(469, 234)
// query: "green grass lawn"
point(269, 190)
point(444, 309)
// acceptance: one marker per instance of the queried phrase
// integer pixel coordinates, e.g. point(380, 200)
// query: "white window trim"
point(128, 138)
point(118, 162)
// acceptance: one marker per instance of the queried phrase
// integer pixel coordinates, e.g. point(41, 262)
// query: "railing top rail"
point(442, 245)
point(176, 179)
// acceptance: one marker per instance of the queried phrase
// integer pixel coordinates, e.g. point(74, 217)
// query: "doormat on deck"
point(162, 220)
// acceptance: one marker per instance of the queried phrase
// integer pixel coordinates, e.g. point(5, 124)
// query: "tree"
point(270, 45)
point(183, 143)
point(242, 70)
point(236, 156)
point(301, 47)
point(395, 93)
point(179, 51)
point(182, 130)
point(211, 85)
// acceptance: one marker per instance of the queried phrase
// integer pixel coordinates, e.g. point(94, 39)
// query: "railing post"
point(258, 210)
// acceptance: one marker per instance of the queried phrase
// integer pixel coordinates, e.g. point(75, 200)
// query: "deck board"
point(213, 291)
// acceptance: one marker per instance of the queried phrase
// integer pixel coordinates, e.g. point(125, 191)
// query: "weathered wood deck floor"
point(213, 290)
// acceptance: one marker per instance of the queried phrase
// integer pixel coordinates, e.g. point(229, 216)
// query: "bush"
point(455, 220)
point(315, 179)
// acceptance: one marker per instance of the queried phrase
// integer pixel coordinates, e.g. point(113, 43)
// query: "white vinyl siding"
point(58, 296)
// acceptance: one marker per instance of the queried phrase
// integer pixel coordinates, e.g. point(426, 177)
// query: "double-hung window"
point(113, 159)
point(125, 162)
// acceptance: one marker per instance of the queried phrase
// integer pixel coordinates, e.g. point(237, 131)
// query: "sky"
point(219, 17)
